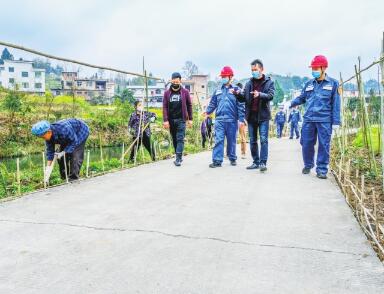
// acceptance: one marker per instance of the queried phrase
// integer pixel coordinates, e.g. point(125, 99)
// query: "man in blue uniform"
point(229, 112)
point(71, 134)
point(280, 119)
point(294, 119)
point(321, 116)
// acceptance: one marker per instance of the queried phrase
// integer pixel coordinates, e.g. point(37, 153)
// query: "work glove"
point(152, 119)
point(335, 128)
point(60, 154)
point(47, 173)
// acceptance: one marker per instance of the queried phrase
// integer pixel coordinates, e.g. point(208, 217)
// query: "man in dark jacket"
point(177, 112)
point(257, 95)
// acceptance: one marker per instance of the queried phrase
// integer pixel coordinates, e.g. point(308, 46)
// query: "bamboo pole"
point(382, 110)
point(45, 184)
point(101, 153)
point(87, 169)
point(73, 61)
point(65, 168)
point(374, 199)
point(122, 156)
point(18, 175)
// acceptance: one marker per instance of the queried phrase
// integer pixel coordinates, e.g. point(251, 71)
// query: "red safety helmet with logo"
point(319, 61)
point(226, 72)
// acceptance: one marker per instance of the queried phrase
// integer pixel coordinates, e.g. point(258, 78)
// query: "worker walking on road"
point(322, 115)
point(257, 95)
point(71, 135)
point(280, 119)
point(139, 127)
point(177, 113)
point(229, 112)
point(294, 119)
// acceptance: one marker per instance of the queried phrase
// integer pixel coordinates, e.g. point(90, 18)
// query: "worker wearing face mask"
point(177, 114)
point(229, 114)
point(322, 115)
point(257, 95)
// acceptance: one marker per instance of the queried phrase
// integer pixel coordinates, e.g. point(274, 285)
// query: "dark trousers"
point(206, 136)
point(74, 162)
point(147, 144)
point(262, 128)
point(177, 129)
point(295, 128)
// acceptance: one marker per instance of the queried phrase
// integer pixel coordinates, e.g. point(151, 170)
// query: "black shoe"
point(297, 137)
point(253, 166)
point(214, 165)
point(290, 138)
point(321, 176)
point(233, 162)
point(177, 162)
point(306, 171)
point(263, 167)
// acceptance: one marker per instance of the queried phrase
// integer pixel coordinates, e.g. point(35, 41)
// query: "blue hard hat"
point(40, 128)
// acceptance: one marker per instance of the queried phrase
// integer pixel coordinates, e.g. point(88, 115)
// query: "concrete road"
point(162, 229)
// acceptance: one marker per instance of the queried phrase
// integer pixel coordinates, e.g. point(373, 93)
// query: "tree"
point(279, 93)
point(190, 69)
point(13, 103)
point(126, 96)
point(6, 55)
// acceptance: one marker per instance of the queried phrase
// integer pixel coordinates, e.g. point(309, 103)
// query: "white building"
point(21, 75)
point(155, 94)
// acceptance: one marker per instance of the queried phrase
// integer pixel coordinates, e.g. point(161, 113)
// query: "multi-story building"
point(88, 88)
point(197, 86)
point(23, 76)
point(155, 93)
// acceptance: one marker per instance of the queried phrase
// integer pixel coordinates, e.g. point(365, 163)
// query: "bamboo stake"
point(122, 156)
point(374, 199)
point(101, 153)
point(65, 168)
point(18, 175)
point(87, 169)
point(45, 184)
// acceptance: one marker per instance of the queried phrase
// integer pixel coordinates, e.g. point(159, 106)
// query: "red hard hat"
point(226, 72)
point(319, 61)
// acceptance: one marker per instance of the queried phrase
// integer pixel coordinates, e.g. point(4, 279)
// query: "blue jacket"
point(228, 108)
point(294, 116)
point(322, 101)
point(69, 133)
point(280, 117)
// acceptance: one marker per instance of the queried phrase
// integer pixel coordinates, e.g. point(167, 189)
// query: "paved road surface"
point(161, 229)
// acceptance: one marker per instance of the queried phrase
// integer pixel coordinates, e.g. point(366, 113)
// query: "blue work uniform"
point(322, 111)
point(228, 112)
point(294, 119)
point(280, 120)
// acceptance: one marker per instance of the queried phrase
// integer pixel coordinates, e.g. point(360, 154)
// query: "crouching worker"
point(229, 111)
point(139, 127)
point(71, 135)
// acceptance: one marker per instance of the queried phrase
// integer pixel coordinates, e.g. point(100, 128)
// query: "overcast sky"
point(284, 34)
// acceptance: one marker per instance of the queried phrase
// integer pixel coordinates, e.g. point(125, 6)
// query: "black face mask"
point(175, 87)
